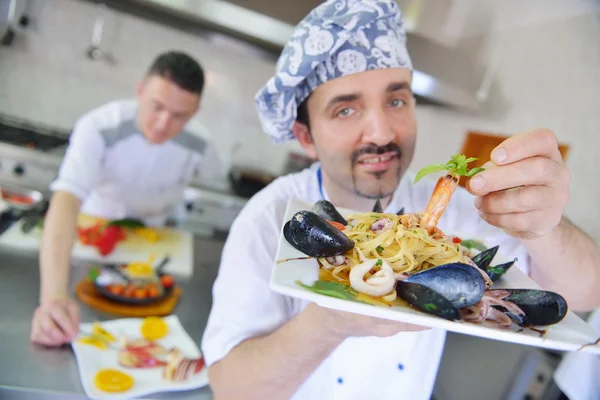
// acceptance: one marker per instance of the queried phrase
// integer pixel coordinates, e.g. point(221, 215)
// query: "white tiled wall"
point(548, 71)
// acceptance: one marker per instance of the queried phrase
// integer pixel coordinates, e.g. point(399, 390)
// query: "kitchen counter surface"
point(28, 371)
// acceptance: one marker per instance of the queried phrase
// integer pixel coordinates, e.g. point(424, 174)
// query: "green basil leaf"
point(475, 171)
point(430, 169)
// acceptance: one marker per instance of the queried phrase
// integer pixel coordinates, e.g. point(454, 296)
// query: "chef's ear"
point(302, 133)
point(139, 87)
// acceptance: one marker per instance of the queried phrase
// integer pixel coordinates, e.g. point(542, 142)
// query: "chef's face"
point(164, 108)
point(362, 128)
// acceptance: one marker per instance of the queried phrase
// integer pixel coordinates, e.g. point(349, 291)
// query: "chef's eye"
point(397, 103)
point(344, 112)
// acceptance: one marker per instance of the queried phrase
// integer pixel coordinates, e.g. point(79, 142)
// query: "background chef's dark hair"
point(179, 68)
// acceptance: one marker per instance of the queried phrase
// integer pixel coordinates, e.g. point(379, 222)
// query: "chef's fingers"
point(61, 323)
point(40, 337)
point(73, 310)
point(49, 329)
point(64, 318)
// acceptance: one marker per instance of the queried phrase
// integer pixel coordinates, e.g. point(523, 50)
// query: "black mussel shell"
point(484, 258)
point(326, 209)
point(427, 300)
point(541, 307)
point(497, 271)
point(460, 283)
point(288, 235)
point(315, 237)
point(400, 212)
point(377, 207)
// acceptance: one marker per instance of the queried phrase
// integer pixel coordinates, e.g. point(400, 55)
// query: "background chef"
point(125, 159)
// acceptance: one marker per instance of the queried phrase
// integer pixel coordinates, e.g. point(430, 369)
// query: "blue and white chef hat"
point(337, 38)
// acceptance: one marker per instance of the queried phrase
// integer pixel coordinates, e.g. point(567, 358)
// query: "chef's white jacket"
point(399, 367)
point(578, 374)
point(117, 173)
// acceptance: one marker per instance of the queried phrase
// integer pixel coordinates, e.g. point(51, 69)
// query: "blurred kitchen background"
point(492, 67)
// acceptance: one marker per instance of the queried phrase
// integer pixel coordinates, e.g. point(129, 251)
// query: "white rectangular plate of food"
point(136, 381)
point(294, 271)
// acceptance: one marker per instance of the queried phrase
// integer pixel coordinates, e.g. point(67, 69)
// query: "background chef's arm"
point(57, 241)
point(76, 178)
point(568, 262)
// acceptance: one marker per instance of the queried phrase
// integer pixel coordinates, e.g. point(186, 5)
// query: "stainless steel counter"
point(28, 371)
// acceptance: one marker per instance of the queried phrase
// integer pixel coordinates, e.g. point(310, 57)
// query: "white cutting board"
point(176, 243)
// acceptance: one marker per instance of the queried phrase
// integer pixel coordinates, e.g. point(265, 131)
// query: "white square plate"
point(568, 335)
point(91, 359)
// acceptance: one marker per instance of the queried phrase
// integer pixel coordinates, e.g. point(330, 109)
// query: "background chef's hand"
point(55, 322)
point(525, 187)
point(345, 324)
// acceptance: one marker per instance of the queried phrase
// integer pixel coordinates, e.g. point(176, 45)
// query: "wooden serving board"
point(87, 293)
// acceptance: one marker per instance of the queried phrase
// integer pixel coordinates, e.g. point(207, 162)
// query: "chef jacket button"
point(340, 380)
point(400, 366)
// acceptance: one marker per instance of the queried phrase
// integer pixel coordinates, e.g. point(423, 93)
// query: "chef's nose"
point(163, 120)
point(378, 129)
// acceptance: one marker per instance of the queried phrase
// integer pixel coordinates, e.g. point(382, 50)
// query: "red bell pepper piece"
point(109, 239)
point(89, 235)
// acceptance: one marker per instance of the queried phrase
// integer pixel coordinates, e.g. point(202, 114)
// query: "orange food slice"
point(154, 328)
point(112, 380)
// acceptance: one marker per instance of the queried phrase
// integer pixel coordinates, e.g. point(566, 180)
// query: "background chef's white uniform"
point(117, 173)
point(399, 367)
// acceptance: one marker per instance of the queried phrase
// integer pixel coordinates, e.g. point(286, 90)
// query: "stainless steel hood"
point(12, 19)
point(443, 75)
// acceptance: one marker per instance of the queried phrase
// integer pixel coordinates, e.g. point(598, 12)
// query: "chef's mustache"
point(374, 149)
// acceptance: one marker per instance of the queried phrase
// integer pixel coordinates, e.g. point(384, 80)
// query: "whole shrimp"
point(444, 188)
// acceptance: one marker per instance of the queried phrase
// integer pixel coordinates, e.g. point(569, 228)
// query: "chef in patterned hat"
point(342, 88)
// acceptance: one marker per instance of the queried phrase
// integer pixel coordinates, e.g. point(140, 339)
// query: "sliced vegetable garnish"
point(93, 341)
point(127, 223)
point(333, 289)
point(93, 274)
point(98, 330)
point(473, 244)
point(149, 234)
point(457, 165)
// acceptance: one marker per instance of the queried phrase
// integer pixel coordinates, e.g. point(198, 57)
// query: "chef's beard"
point(379, 184)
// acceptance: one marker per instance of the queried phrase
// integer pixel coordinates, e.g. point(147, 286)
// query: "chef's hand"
point(55, 322)
point(525, 187)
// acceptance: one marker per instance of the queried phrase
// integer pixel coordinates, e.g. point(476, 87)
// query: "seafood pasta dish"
point(388, 259)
